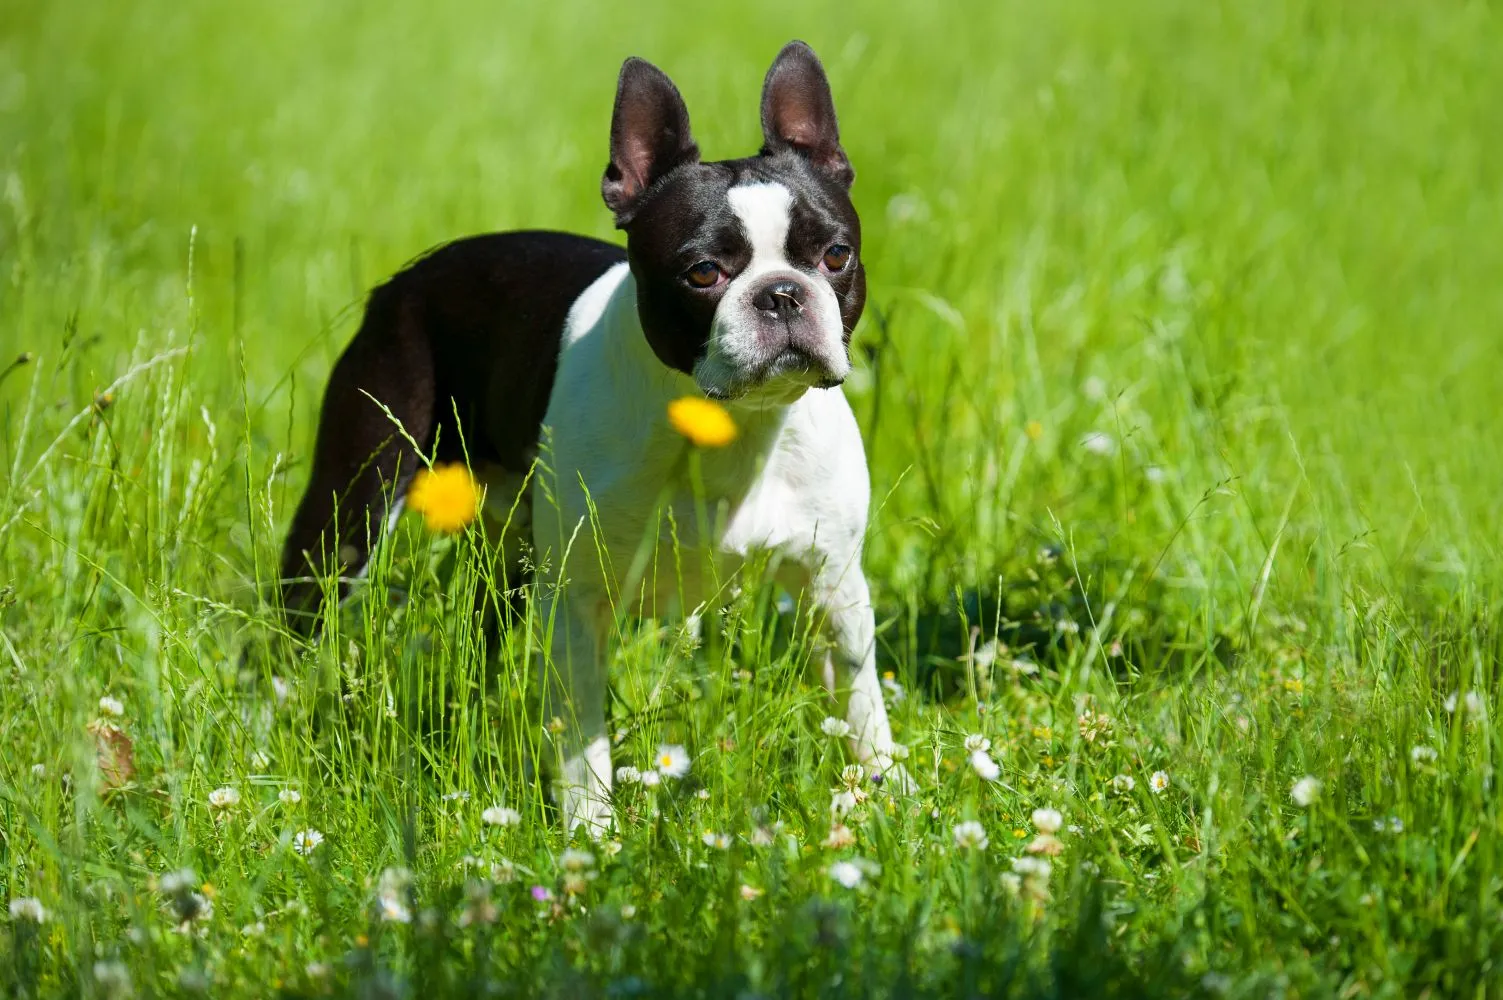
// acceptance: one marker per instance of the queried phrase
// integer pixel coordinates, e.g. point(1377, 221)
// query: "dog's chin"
point(780, 380)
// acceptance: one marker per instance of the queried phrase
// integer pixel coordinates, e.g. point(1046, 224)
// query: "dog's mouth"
point(789, 372)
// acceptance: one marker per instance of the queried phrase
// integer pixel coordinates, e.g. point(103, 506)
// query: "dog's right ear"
point(649, 136)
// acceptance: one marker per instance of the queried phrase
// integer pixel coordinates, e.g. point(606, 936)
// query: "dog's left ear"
point(798, 113)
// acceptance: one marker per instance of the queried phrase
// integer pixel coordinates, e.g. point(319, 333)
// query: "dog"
point(741, 281)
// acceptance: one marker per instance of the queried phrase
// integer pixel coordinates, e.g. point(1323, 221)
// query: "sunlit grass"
point(1179, 382)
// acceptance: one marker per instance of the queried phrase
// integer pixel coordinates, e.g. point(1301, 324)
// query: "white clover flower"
point(1475, 707)
point(840, 836)
point(718, 841)
point(611, 848)
point(305, 842)
point(1012, 883)
point(28, 908)
point(898, 751)
point(750, 892)
point(575, 860)
point(260, 760)
point(842, 802)
point(847, 873)
point(289, 796)
point(224, 798)
point(39, 771)
point(672, 760)
point(178, 882)
point(1032, 867)
point(970, 835)
point(835, 727)
point(1047, 820)
point(503, 871)
point(500, 816)
point(651, 779)
point(113, 979)
point(1158, 781)
point(112, 707)
point(628, 775)
point(975, 742)
point(982, 763)
point(253, 930)
point(1305, 791)
point(765, 835)
point(1123, 783)
point(1423, 754)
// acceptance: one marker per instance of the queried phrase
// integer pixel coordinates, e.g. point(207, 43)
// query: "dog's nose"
point(783, 299)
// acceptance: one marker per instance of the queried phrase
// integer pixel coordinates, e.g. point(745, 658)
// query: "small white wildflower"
point(460, 796)
point(391, 895)
point(260, 760)
point(703, 795)
point(575, 860)
point(750, 892)
point(975, 742)
point(1032, 867)
point(28, 908)
point(224, 798)
point(1123, 783)
point(113, 707)
point(628, 775)
point(842, 802)
point(970, 835)
point(113, 979)
point(1305, 791)
point(1155, 474)
point(1047, 820)
point(39, 771)
point(500, 816)
point(672, 760)
point(847, 873)
point(765, 835)
point(718, 841)
point(305, 842)
point(253, 930)
point(1099, 443)
point(281, 689)
point(1423, 754)
point(628, 911)
point(651, 779)
point(835, 727)
point(898, 751)
point(289, 796)
point(982, 763)
point(1158, 781)
point(610, 848)
point(840, 837)
point(893, 688)
point(1022, 667)
point(1474, 704)
point(178, 882)
point(503, 871)
point(1012, 883)
point(1388, 824)
point(317, 970)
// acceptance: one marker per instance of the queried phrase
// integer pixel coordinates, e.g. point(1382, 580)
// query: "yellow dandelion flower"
point(447, 496)
point(703, 422)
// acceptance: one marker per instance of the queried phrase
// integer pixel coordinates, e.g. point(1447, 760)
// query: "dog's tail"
point(378, 411)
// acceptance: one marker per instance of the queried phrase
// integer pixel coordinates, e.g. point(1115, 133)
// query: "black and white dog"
point(741, 281)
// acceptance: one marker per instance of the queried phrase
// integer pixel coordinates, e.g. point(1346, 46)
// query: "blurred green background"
point(1270, 229)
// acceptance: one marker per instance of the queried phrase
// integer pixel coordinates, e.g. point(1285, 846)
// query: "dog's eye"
point(836, 258)
point(705, 274)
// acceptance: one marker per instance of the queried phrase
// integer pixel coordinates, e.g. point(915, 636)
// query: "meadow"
point(1180, 379)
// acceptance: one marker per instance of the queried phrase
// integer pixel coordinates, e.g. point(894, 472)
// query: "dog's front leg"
point(850, 669)
point(574, 705)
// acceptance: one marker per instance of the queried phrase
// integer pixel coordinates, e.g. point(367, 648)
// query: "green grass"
point(1254, 247)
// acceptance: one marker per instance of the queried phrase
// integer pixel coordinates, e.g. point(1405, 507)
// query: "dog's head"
point(748, 272)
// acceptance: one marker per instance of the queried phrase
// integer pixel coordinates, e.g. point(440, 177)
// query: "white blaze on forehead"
point(765, 211)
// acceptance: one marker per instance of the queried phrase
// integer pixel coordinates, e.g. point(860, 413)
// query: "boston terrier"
point(741, 281)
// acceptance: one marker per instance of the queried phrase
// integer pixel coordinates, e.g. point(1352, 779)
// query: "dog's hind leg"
point(377, 411)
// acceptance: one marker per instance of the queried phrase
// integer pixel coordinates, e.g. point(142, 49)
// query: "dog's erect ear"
point(798, 112)
point(649, 136)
